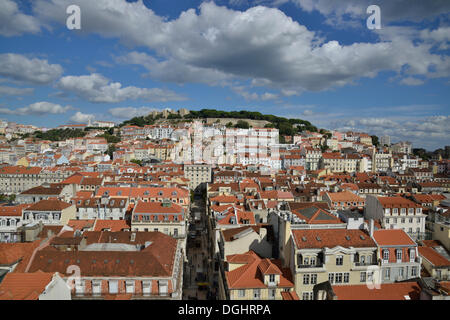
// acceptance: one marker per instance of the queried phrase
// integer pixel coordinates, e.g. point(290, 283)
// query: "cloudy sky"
point(309, 59)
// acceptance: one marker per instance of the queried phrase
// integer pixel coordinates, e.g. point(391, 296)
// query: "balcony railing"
point(363, 264)
point(305, 266)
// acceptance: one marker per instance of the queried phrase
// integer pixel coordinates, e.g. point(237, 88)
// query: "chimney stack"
point(371, 227)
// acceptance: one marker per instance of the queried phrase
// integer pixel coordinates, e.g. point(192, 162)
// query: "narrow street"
point(197, 285)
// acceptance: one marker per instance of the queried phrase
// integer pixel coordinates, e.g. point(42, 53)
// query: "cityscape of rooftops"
point(238, 151)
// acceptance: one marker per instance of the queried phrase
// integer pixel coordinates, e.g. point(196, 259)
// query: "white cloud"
point(80, 117)
point(410, 81)
point(97, 88)
point(11, 91)
point(240, 90)
point(38, 108)
point(428, 132)
point(15, 23)
point(261, 44)
point(20, 68)
point(439, 36)
point(130, 112)
point(398, 10)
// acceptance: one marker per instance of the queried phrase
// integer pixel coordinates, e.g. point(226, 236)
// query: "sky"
point(311, 59)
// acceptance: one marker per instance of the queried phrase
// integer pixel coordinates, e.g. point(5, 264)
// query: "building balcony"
point(310, 266)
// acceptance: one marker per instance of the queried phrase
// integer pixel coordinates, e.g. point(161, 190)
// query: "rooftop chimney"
point(371, 227)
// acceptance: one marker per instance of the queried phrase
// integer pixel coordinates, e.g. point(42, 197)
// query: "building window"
point(338, 278)
point(362, 277)
point(241, 293)
point(271, 278)
point(399, 255)
point(387, 273)
point(113, 287)
point(307, 296)
point(146, 288)
point(130, 286)
point(400, 272)
point(346, 277)
point(413, 271)
point(272, 293)
point(314, 279)
point(339, 260)
point(96, 287)
point(256, 294)
point(331, 278)
point(306, 279)
point(386, 255)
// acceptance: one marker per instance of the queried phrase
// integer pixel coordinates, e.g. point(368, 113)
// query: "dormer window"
point(412, 255)
point(271, 278)
point(386, 255)
point(398, 254)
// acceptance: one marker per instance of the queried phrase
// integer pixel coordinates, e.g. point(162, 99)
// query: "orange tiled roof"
point(434, 257)
point(24, 286)
point(49, 205)
point(249, 275)
point(392, 237)
point(387, 291)
point(331, 238)
point(112, 225)
point(397, 202)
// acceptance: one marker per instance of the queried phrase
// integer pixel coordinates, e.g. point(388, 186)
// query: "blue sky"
point(314, 60)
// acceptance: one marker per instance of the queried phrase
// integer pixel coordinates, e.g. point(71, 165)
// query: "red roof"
point(434, 257)
point(392, 237)
point(13, 211)
point(49, 205)
point(157, 207)
point(387, 291)
point(331, 238)
point(250, 275)
point(24, 286)
point(111, 225)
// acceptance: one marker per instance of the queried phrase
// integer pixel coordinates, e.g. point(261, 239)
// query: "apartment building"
point(199, 175)
point(166, 217)
point(129, 265)
point(339, 256)
point(382, 160)
point(10, 223)
point(312, 158)
point(104, 208)
point(344, 200)
point(337, 162)
point(398, 256)
point(49, 212)
point(250, 277)
point(396, 213)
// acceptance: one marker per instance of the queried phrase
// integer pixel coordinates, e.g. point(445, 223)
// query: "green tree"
point(111, 149)
point(139, 162)
point(242, 124)
point(375, 141)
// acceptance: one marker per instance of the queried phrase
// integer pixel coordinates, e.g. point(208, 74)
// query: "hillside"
point(286, 126)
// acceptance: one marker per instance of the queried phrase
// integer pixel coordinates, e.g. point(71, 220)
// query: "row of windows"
point(257, 293)
point(310, 278)
point(339, 277)
point(402, 210)
point(399, 254)
point(403, 220)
